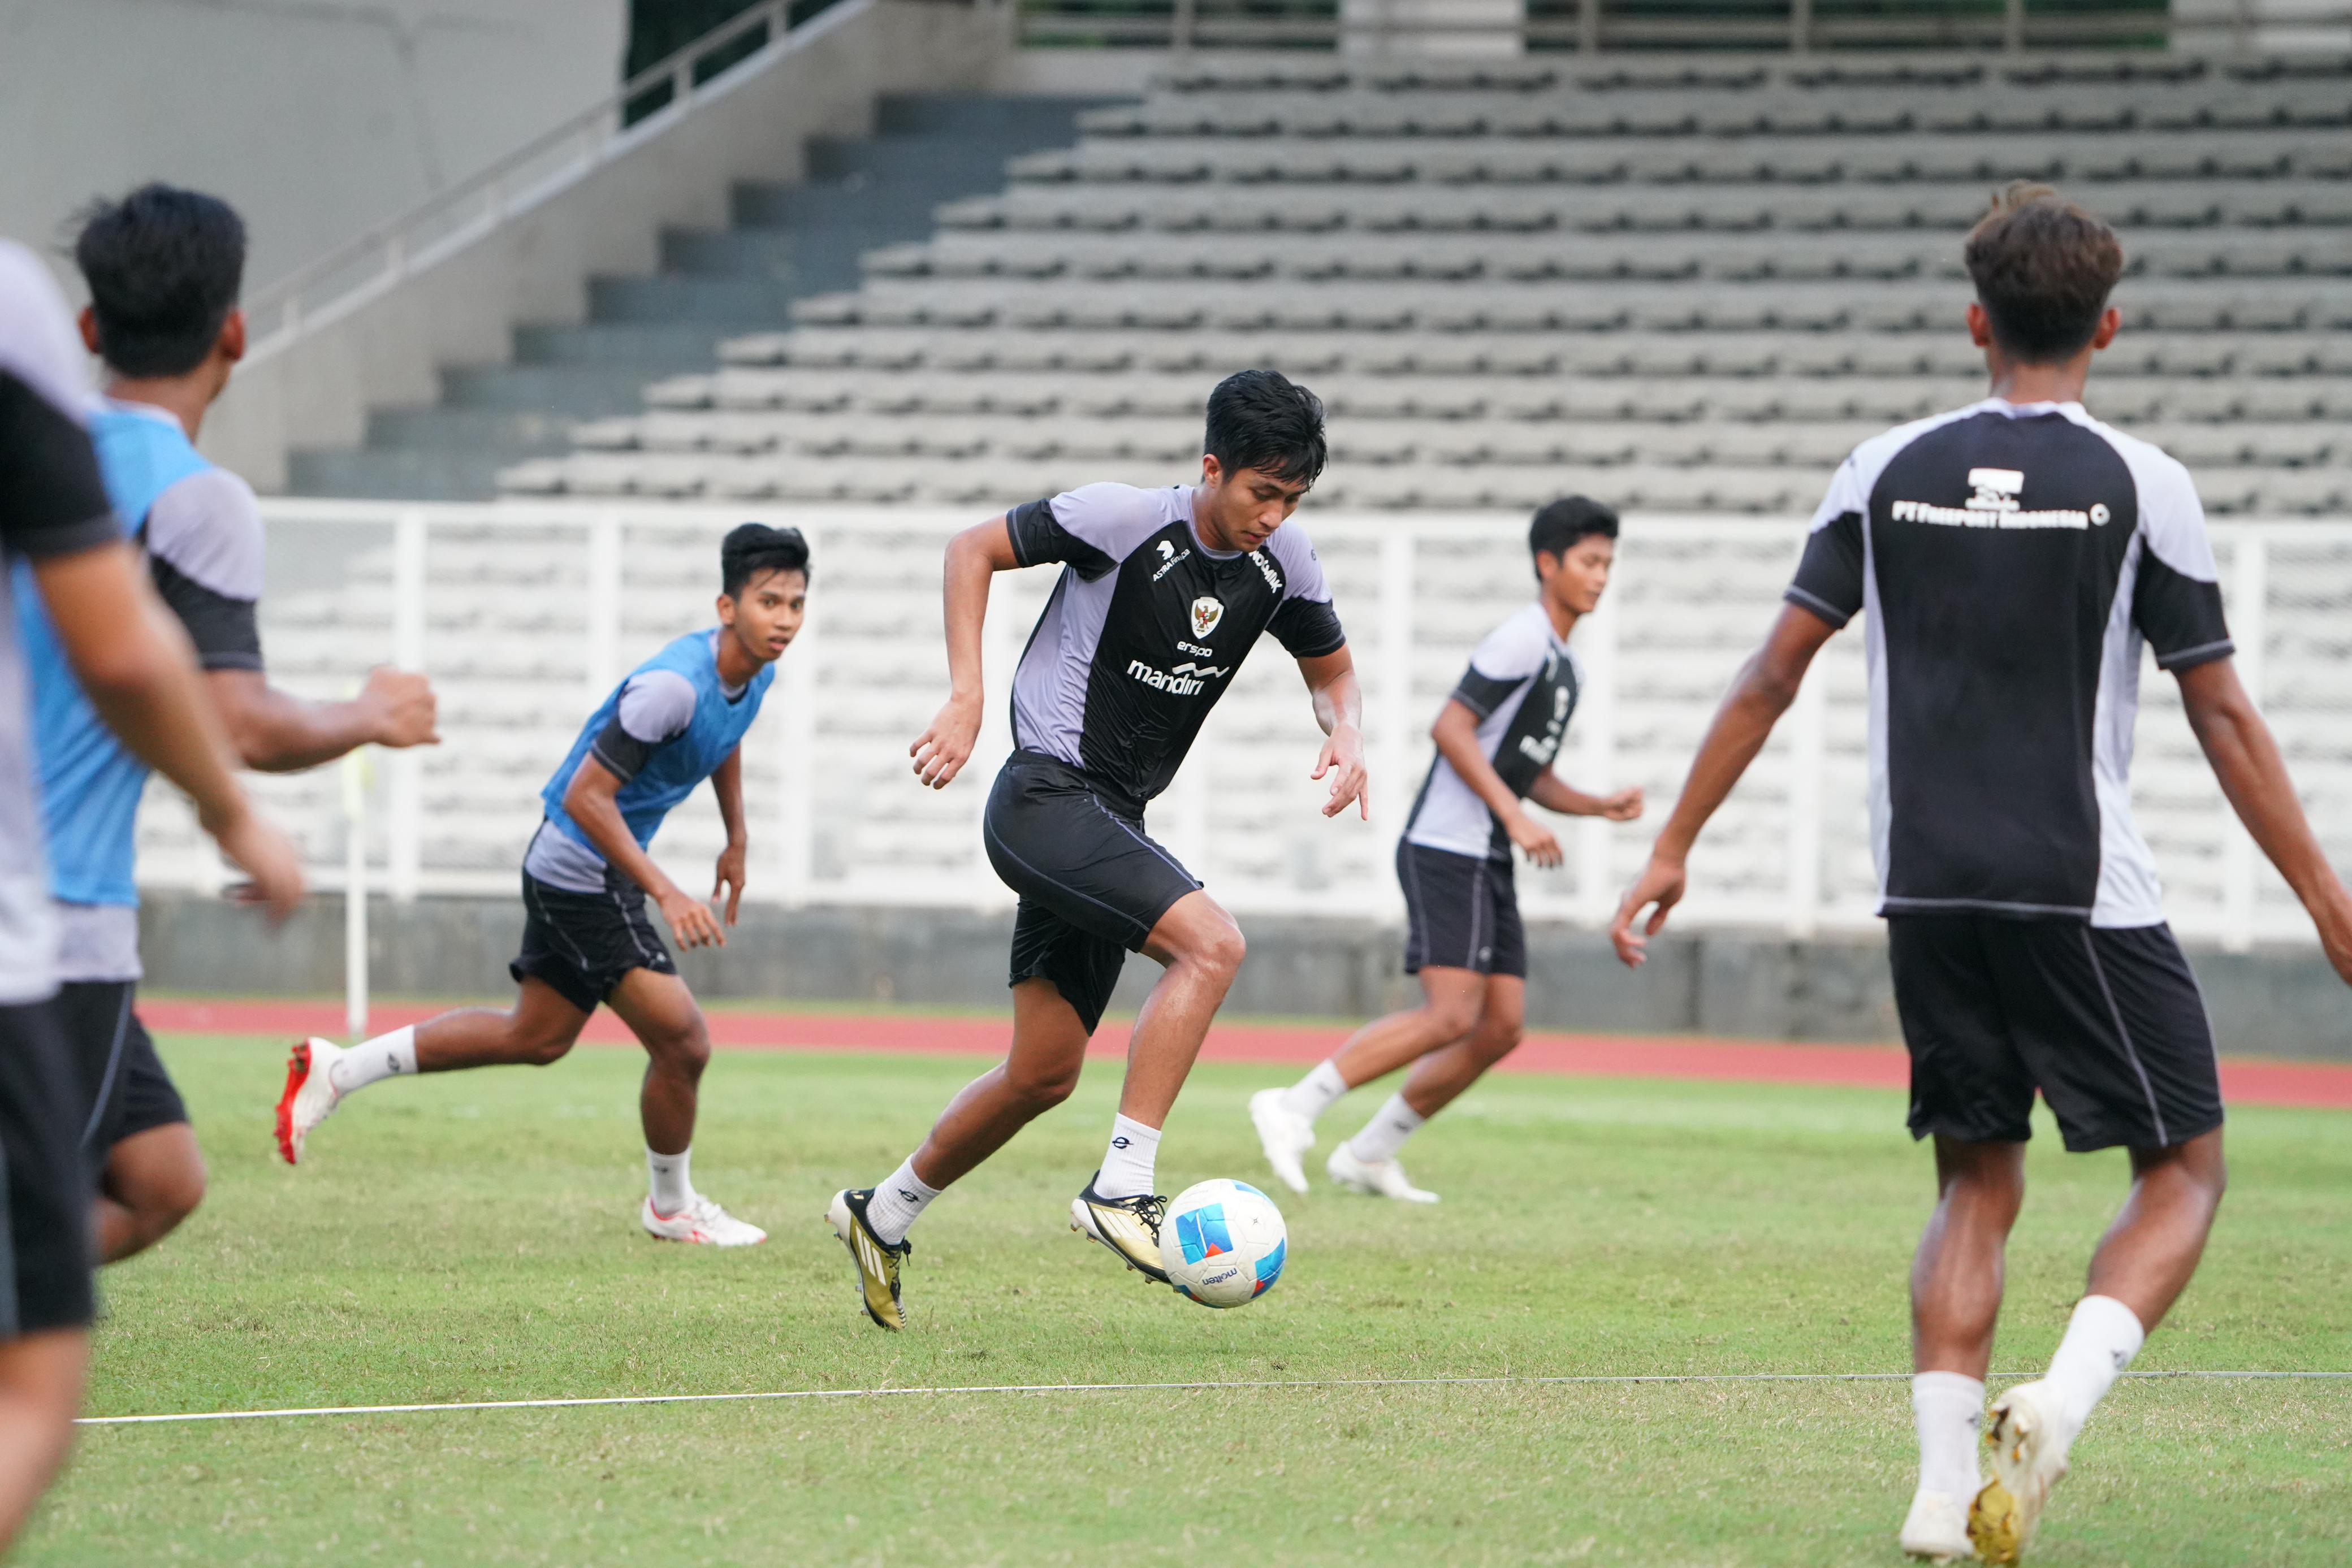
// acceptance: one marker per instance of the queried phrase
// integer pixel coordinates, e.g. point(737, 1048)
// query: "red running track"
point(2244, 1081)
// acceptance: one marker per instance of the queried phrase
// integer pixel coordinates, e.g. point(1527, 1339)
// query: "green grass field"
point(474, 1237)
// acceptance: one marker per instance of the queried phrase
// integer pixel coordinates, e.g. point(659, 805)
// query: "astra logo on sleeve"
point(1171, 557)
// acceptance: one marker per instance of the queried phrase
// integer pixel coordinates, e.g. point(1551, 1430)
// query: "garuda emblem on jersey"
point(1206, 613)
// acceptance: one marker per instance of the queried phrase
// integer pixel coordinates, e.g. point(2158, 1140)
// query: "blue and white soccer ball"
point(1222, 1243)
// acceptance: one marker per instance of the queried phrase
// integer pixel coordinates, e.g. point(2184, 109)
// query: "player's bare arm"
point(141, 675)
point(2245, 758)
point(726, 783)
point(1766, 683)
point(1554, 793)
point(974, 556)
point(1457, 734)
point(589, 799)
point(277, 732)
point(1339, 709)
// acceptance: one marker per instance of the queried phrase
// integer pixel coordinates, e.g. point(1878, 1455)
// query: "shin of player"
point(2025, 928)
point(677, 719)
point(163, 268)
point(1497, 738)
point(1162, 594)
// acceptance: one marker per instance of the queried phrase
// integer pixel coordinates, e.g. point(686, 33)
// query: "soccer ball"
point(1222, 1243)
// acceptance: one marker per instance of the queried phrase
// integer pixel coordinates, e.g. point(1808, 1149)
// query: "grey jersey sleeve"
point(1828, 576)
point(1304, 622)
point(653, 710)
point(1506, 659)
point(2177, 597)
point(1092, 528)
point(204, 548)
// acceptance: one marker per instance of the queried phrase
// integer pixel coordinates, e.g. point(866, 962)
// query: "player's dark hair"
point(163, 268)
point(2043, 268)
point(1263, 420)
point(1560, 524)
point(752, 550)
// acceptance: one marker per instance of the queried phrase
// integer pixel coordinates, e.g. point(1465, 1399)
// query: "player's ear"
point(89, 320)
point(727, 611)
point(2111, 321)
point(1212, 472)
point(231, 341)
point(1979, 326)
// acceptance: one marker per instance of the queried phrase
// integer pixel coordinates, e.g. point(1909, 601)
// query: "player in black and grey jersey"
point(2010, 560)
point(1162, 594)
point(1497, 738)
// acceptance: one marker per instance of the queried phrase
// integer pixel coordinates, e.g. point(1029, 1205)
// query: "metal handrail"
point(282, 313)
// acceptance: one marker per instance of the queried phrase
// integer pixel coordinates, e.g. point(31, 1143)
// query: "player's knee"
point(1450, 1020)
point(544, 1047)
point(1221, 950)
point(1041, 1088)
point(686, 1051)
point(171, 1198)
point(1497, 1039)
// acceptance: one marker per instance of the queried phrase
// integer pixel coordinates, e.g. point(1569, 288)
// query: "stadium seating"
point(1682, 287)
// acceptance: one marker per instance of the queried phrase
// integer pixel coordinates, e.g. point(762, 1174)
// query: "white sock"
point(390, 1055)
point(1126, 1166)
point(1385, 1133)
point(673, 1188)
point(898, 1202)
point(1316, 1093)
point(2101, 1339)
point(1949, 1409)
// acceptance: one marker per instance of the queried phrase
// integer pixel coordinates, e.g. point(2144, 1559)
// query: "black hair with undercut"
point(2043, 268)
point(163, 266)
point(1265, 421)
point(752, 550)
point(1560, 524)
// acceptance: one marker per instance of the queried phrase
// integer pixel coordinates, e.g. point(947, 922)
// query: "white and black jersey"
point(52, 502)
point(2010, 560)
point(1146, 628)
point(1522, 682)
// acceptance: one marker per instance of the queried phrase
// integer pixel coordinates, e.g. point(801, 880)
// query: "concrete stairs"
point(787, 241)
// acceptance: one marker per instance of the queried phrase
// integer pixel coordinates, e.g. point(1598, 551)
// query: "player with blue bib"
point(677, 719)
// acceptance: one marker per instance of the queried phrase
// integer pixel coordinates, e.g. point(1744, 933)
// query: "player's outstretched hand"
point(254, 843)
point(1623, 806)
point(691, 921)
point(730, 878)
point(940, 752)
point(1342, 757)
point(1535, 841)
point(408, 714)
point(1660, 885)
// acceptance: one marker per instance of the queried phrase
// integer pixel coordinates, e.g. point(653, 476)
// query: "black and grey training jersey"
point(1522, 682)
point(2011, 558)
point(51, 503)
point(1146, 628)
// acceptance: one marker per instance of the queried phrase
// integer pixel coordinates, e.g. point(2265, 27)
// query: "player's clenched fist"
point(407, 712)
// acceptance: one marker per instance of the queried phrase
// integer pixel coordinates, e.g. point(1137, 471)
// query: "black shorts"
point(581, 943)
point(47, 1282)
point(2108, 1024)
point(124, 1087)
point(1092, 883)
point(1462, 912)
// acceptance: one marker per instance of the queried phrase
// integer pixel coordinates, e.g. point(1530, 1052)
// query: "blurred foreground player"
point(163, 268)
point(1497, 738)
point(55, 520)
point(1161, 596)
point(677, 719)
point(2012, 556)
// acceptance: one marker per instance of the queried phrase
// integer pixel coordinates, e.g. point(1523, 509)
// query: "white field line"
point(1273, 1384)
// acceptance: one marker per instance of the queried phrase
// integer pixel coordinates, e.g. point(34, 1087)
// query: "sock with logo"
point(1385, 1133)
point(1315, 1093)
point(390, 1055)
point(1949, 1409)
point(898, 1202)
point(1126, 1166)
point(673, 1188)
point(2101, 1339)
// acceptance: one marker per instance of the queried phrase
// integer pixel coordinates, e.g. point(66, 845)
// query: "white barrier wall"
point(317, 120)
point(524, 615)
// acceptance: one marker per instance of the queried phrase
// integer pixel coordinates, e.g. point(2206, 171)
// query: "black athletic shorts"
point(2108, 1024)
point(123, 1085)
point(581, 943)
point(45, 1283)
point(1092, 883)
point(1462, 912)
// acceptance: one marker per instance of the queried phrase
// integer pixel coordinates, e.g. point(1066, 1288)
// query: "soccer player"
point(53, 518)
point(677, 719)
point(1162, 594)
point(163, 268)
point(2012, 556)
point(1497, 738)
